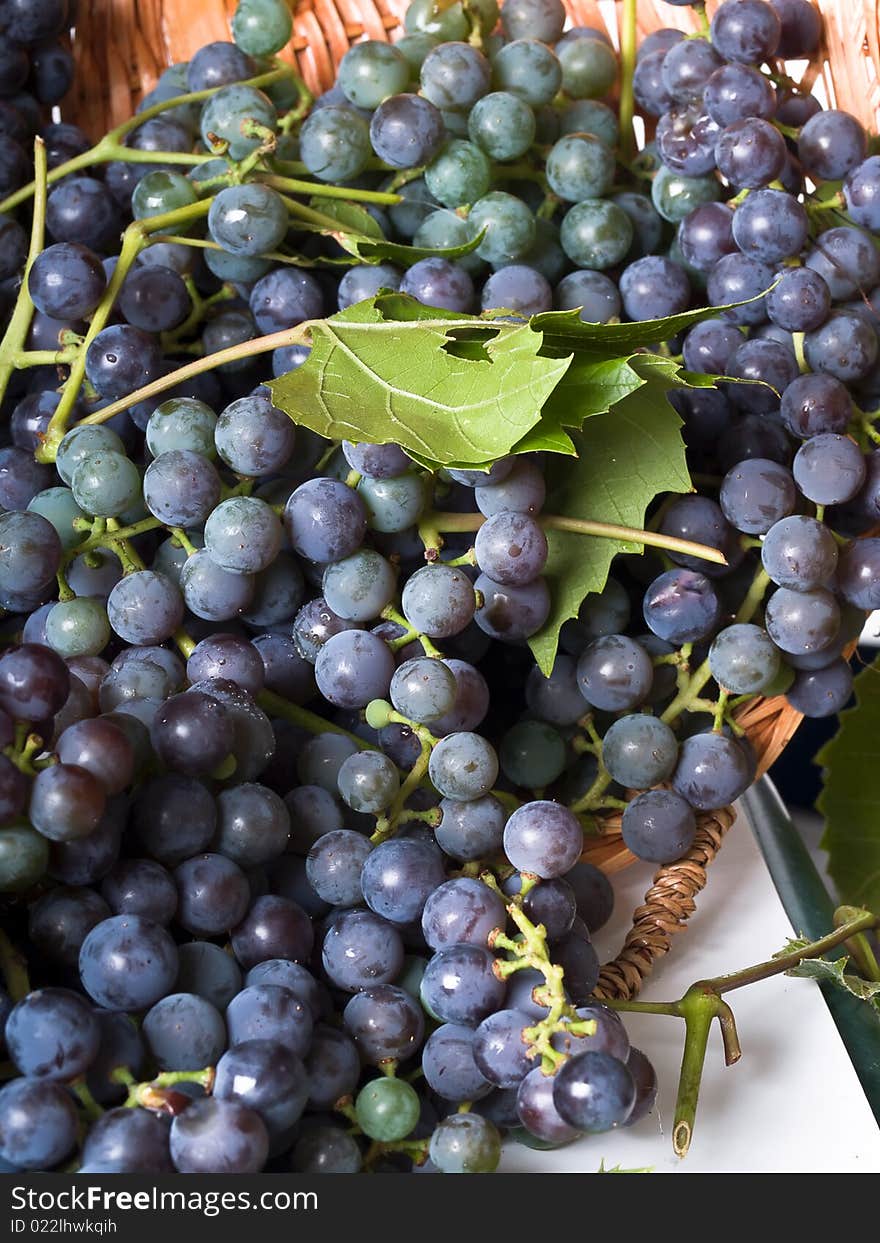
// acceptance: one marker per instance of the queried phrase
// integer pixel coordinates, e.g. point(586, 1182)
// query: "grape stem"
point(627, 69)
point(17, 330)
point(702, 1003)
point(582, 526)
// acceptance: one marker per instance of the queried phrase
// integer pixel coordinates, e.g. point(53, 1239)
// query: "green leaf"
point(386, 381)
point(625, 458)
point(834, 972)
point(566, 328)
point(405, 256)
point(850, 799)
point(351, 217)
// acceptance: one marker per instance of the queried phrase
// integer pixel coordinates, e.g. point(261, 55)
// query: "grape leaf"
point(385, 381)
point(351, 217)
point(850, 798)
point(567, 329)
point(835, 972)
point(405, 256)
point(625, 458)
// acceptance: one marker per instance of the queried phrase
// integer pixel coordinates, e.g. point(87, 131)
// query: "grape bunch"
point(286, 804)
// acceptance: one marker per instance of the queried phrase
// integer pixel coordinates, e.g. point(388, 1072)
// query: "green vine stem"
point(703, 1003)
point(437, 522)
point(151, 1095)
point(111, 146)
point(16, 333)
point(627, 69)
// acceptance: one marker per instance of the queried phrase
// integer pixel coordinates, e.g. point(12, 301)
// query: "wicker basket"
point(121, 47)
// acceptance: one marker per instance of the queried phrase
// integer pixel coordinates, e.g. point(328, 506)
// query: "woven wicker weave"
point(122, 46)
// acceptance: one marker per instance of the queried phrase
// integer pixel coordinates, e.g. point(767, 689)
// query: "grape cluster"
point(285, 802)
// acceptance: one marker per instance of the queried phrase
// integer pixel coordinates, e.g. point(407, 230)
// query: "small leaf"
point(835, 972)
point(351, 217)
point(566, 328)
point(850, 798)
point(368, 378)
point(405, 256)
point(625, 458)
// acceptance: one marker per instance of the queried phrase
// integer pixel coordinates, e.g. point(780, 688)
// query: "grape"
point(454, 76)
point(511, 548)
point(119, 360)
point(218, 64)
point(59, 921)
point(224, 113)
point(261, 27)
point(846, 260)
point(538, 19)
point(686, 68)
point(79, 209)
point(208, 971)
point(363, 282)
point(184, 1032)
point(253, 824)
point(333, 1066)
point(857, 575)
point(212, 592)
point(385, 1023)
point(274, 927)
point(460, 986)
point(38, 1124)
point(313, 812)
point(359, 587)
point(463, 765)
point(596, 234)
point(30, 553)
point(654, 287)
point(179, 423)
point(334, 867)
point(589, 66)
point(398, 877)
point(831, 144)
point(556, 699)
point(639, 751)
point(518, 288)
point(739, 278)
point(325, 520)
point(319, 761)
point(439, 282)
point(499, 1050)
point(609, 1035)
point(509, 227)
point(746, 30)
point(387, 1109)
point(292, 976)
point(66, 281)
point(243, 535)
point(712, 771)
point(326, 1150)
point(511, 613)
point(580, 166)
point(213, 894)
point(771, 226)
point(592, 293)
point(449, 1067)
point(463, 911)
point(145, 607)
point(66, 802)
point(423, 689)
point(459, 174)
point(705, 236)
point(659, 826)
point(529, 70)
point(862, 193)
point(650, 91)
point(368, 781)
point(502, 125)
point(465, 1144)
point(470, 830)
point(743, 659)
point(680, 606)
point(537, 1112)
point(821, 692)
point(353, 667)
point(750, 153)
point(845, 347)
point(813, 405)
point(543, 838)
point(106, 484)
point(438, 601)
point(594, 1092)
point(800, 302)
point(216, 1136)
point(614, 673)
point(180, 488)
point(829, 469)
point(360, 950)
point(370, 72)
point(270, 1012)
point(281, 299)
point(800, 553)
point(127, 963)
point(734, 92)
point(532, 754)
point(52, 1034)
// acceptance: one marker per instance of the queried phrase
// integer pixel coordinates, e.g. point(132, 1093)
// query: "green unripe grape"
point(443, 230)
point(415, 48)
point(182, 423)
point(24, 857)
point(545, 254)
point(509, 225)
point(589, 68)
point(466, 1144)
point(590, 116)
point(393, 504)
point(58, 506)
point(451, 25)
point(159, 192)
point(580, 166)
point(262, 27)
point(528, 69)
point(596, 234)
point(675, 195)
point(105, 484)
point(502, 125)
point(224, 114)
point(387, 1109)
point(370, 72)
point(79, 442)
point(460, 174)
point(78, 627)
point(237, 269)
point(334, 144)
point(532, 754)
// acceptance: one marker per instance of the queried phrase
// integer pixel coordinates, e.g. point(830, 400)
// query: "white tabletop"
point(792, 1104)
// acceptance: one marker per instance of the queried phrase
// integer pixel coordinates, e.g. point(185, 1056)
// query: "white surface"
point(793, 1102)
